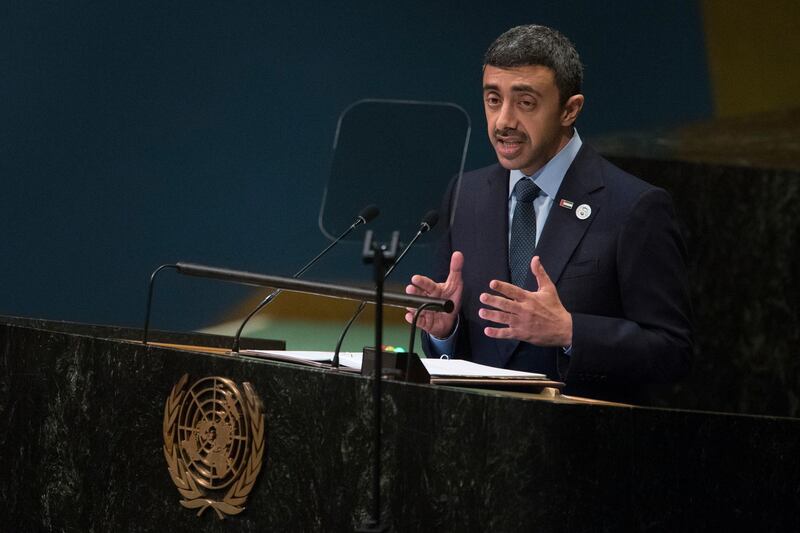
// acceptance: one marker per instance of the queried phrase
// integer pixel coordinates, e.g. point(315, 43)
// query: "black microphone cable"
point(366, 216)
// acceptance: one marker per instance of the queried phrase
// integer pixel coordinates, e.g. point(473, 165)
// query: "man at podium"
point(558, 261)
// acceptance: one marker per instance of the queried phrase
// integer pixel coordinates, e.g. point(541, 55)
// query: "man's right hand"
point(439, 325)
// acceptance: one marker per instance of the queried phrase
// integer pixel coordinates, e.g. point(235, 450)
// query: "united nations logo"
point(213, 443)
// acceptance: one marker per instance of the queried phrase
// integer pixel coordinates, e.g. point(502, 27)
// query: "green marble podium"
point(81, 439)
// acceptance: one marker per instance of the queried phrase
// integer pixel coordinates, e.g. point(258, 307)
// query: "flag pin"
point(565, 203)
point(583, 212)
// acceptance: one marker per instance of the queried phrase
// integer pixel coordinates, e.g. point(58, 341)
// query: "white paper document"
point(452, 368)
point(440, 368)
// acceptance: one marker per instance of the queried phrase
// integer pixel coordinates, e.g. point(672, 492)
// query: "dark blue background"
point(133, 134)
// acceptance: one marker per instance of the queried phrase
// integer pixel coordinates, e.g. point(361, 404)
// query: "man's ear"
point(571, 110)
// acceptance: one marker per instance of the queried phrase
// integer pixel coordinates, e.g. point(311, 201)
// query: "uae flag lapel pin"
point(565, 203)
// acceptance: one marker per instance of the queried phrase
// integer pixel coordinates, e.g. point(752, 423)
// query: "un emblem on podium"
point(213, 443)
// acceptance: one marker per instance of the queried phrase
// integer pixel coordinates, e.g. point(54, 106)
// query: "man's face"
point(527, 124)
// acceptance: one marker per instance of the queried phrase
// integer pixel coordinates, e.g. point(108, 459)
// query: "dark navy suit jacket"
point(621, 273)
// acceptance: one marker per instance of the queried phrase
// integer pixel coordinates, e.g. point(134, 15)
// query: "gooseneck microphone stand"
point(149, 306)
point(364, 217)
point(428, 223)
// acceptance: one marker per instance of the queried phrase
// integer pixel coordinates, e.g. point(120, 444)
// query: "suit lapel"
point(491, 226)
point(491, 242)
point(565, 228)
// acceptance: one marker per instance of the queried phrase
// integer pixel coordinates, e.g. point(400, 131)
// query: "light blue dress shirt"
point(549, 179)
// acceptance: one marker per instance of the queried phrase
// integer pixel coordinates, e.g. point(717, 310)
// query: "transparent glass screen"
point(398, 155)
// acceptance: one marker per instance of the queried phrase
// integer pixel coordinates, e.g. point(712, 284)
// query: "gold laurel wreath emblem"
point(233, 501)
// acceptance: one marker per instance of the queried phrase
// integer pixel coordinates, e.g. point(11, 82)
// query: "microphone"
point(428, 222)
point(366, 216)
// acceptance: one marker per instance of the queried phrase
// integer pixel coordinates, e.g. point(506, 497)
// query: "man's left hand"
point(535, 317)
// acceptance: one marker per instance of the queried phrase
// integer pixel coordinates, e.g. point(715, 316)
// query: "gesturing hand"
point(439, 324)
point(535, 317)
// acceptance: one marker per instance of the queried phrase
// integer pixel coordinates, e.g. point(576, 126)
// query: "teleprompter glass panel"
point(398, 155)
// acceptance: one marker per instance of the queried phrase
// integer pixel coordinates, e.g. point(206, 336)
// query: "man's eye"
point(527, 104)
point(492, 100)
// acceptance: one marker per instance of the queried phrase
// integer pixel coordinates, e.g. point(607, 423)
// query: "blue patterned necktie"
point(523, 231)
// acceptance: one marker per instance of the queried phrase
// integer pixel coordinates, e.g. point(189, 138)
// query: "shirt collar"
point(550, 176)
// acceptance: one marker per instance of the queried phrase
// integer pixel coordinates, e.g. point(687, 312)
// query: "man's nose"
point(507, 119)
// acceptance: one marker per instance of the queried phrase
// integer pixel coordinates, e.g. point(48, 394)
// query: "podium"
point(81, 447)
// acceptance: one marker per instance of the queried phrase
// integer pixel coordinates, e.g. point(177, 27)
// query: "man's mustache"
point(510, 132)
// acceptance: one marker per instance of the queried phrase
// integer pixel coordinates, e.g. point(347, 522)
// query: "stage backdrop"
point(134, 134)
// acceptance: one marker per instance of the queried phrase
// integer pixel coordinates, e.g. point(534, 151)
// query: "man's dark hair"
point(539, 45)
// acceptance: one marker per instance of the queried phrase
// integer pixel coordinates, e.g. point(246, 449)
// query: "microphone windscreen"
point(430, 219)
point(369, 213)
